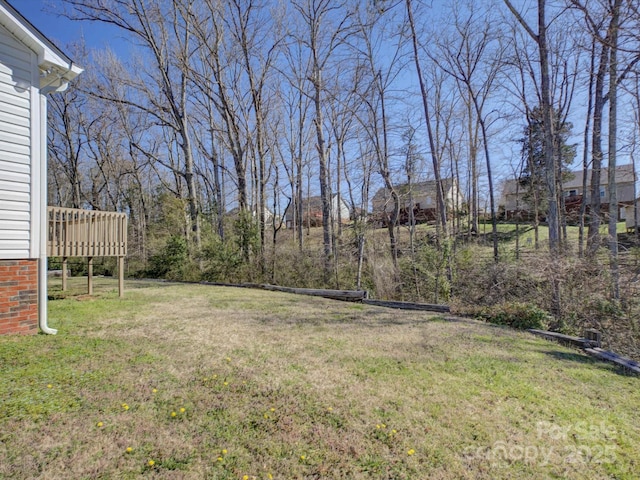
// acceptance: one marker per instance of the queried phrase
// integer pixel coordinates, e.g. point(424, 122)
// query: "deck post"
point(121, 276)
point(90, 276)
point(64, 273)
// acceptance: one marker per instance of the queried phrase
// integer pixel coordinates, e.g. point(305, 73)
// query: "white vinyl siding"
point(16, 75)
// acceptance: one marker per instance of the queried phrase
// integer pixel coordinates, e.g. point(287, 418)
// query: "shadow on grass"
point(587, 360)
point(78, 288)
point(509, 236)
point(570, 357)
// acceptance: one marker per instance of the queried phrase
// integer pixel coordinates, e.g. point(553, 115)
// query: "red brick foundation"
point(18, 296)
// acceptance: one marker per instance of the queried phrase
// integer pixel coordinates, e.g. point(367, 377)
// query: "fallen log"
point(235, 285)
point(561, 338)
point(427, 307)
point(346, 295)
point(612, 357)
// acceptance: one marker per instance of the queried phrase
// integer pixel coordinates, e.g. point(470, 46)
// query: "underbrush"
point(566, 295)
point(517, 315)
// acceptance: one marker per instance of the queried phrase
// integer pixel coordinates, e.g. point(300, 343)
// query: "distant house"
point(312, 211)
point(30, 68)
point(515, 200)
point(630, 216)
point(421, 196)
point(268, 215)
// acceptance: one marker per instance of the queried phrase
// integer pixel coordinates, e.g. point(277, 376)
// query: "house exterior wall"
point(337, 204)
point(18, 296)
point(31, 66)
point(312, 212)
point(572, 190)
point(423, 196)
point(513, 202)
point(22, 150)
point(625, 192)
point(453, 196)
point(18, 200)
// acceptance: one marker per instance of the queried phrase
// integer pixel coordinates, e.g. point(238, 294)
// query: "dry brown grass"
point(314, 389)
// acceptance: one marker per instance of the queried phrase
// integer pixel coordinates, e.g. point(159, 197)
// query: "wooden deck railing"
point(73, 232)
point(86, 233)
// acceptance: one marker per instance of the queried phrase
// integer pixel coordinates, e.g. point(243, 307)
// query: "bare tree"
point(613, 133)
point(540, 38)
point(373, 81)
point(442, 211)
point(474, 58)
point(66, 143)
point(297, 106)
point(326, 27)
point(585, 150)
point(252, 33)
point(605, 24)
point(162, 29)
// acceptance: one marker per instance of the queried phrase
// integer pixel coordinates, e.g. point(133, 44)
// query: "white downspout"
point(44, 224)
point(44, 217)
point(42, 296)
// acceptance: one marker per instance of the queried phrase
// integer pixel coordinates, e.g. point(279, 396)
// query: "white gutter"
point(57, 80)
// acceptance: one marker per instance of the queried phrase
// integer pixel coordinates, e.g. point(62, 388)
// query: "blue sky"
point(45, 16)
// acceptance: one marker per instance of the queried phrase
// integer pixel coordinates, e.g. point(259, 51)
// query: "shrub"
point(516, 315)
point(172, 261)
point(223, 261)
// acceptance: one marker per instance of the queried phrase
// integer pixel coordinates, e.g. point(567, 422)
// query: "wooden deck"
point(86, 233)
point(74, 232)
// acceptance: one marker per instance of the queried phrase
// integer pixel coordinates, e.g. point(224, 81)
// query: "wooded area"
point(226, 115)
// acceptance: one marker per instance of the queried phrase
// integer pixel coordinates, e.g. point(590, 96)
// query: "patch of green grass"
point(507, 232)
point(213, 382)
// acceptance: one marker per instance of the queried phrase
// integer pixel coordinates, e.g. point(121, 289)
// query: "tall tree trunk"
point(217, 184)
point(473, 159)
point(442, 211)
point(550, 160)
point(192, 195)
point(593, 234)
point(545, 104)
point(383, 156)
point(585, 153)
point(299, 214)
point(492, 203)
point(325, 191)
point(613, 131)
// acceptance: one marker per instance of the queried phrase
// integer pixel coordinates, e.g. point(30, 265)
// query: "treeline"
point(226, 115)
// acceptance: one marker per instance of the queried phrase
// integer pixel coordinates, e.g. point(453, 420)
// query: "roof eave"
point(58, 69)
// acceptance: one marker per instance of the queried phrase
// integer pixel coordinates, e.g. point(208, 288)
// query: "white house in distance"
point(312, 211)
point(30, 68)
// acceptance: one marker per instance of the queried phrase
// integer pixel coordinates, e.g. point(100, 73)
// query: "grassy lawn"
point(189, 381)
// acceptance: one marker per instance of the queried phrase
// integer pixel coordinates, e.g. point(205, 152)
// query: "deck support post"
point(90, 275)
point(121, 276)
point(64, 273)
